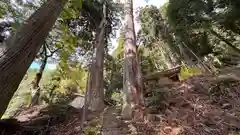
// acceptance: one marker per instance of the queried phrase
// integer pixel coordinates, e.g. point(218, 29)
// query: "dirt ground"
point(200, 105)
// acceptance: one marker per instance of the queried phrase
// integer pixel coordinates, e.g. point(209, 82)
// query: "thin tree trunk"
point(18, 53)
point(86, 101)
point(97, 91)
point(139, 112)
point(35, 88)
point(132, 73)
point(225, 41)
point(39, 74)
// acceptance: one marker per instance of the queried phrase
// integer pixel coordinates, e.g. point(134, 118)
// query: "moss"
point(5, 117)
point(187, 72)
point(90, 131)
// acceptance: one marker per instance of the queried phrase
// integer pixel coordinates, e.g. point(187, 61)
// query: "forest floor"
point(199, 105)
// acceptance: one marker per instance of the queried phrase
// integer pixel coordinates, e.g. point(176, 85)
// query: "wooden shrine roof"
point(165, 73)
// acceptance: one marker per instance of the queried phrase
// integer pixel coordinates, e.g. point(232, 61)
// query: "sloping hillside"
point(200, 105)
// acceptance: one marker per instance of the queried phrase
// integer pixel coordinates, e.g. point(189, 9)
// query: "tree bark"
point(132, 74)
point(97, 88)
point(19, 51)
point(86, 101)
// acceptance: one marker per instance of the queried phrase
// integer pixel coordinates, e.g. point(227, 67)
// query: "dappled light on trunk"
point(132, 85)
point(20, 50)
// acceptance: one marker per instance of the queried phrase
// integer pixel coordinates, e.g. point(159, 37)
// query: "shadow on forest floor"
point(200, 105)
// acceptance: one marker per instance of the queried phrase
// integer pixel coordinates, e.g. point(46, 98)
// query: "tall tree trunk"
point(225, 41)
point(132, 74)
point(86, 101)
point(18, 53)
point(35, 88)
point(97, 88)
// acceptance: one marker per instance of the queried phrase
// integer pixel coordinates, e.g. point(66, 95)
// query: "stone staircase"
point(112, 123)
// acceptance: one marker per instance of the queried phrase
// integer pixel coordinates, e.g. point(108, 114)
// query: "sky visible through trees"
point(173, 61)
point(136, 5)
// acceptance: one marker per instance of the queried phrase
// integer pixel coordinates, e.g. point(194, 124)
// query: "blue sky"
point(36, 65)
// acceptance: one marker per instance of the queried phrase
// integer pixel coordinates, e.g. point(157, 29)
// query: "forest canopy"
point(60, 53)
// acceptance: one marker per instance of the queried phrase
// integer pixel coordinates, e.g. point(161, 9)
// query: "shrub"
point(187, 72)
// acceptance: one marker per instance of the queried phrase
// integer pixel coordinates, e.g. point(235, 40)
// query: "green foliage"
point(154, 99)
point(67, 86)
point(2, 9)
point(91, 131)
point(151, 23)
point(147, 60)
point(63, 84)
point(5, 117)
point(72, 32)
point(28, 98)
point(158, 42)
point(73, 75)
point(187, 72)
point(179, 31)
point(188, 23)
point(117, 98)
point(113, 79)
point(22, 97)
point(118, 52)
point(206, 27)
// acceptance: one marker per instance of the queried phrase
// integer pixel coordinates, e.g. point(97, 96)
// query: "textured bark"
point(132, 82)
point(19, 51)
point(97, 88)
point(86, 101)
point(97, 92)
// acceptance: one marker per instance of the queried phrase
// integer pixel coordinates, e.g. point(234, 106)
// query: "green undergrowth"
point(91, 130)
point(186, 72)
point(235, 133)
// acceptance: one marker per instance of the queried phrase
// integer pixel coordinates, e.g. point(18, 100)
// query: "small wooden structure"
point(159, 79)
